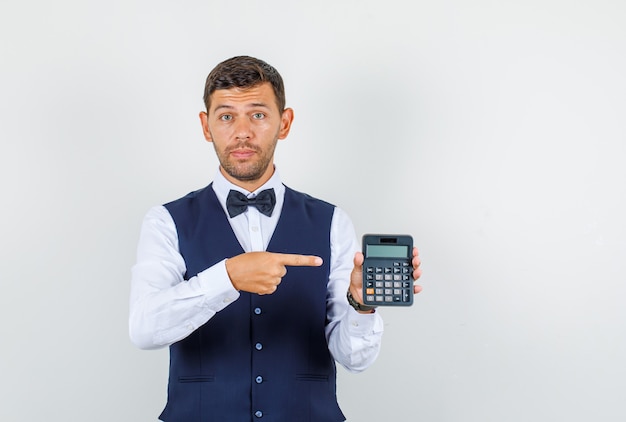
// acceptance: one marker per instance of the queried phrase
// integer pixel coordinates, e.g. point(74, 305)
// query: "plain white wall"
point(493, 132)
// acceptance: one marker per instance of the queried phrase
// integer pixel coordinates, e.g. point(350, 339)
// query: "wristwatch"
point(358, 306)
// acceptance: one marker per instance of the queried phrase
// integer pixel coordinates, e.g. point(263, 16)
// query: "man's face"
point(244, 127)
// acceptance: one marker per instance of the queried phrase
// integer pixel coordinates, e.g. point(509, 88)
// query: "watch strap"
point(358, 306)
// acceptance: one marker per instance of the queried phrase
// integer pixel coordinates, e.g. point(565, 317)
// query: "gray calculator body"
point(387, 270)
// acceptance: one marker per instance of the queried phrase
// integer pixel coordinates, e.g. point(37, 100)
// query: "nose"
point(242, 129)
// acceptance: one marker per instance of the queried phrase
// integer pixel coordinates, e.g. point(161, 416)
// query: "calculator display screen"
point(387, 251)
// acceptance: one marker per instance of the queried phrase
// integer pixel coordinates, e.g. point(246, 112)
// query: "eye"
point(258, 116)
point(226, 117)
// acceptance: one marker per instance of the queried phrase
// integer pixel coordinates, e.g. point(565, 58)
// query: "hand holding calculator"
point(387, 270)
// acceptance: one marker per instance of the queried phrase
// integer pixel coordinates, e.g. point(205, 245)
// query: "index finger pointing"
point(294, 260)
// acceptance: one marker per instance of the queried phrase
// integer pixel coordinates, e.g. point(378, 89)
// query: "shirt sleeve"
point(354, 339)
point(164, 308)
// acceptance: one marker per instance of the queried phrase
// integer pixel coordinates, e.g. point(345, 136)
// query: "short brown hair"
point(244, 72)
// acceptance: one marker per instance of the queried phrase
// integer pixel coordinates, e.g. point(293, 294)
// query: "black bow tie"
point(237, 202)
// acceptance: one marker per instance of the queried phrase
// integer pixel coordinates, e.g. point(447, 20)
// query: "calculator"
point(387, 270)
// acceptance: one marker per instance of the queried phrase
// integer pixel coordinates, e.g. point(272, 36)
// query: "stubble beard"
point(246, 171)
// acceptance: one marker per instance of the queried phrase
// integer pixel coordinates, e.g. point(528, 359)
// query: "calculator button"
point(370, 269)
point(379, 277)
point(388, 277)
point(379, 269)
point(387, 269)
point(388, 298)
point(379, 284)
point(369, 277)
point(369, 291)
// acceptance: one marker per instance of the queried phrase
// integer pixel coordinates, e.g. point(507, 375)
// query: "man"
point(248, 281)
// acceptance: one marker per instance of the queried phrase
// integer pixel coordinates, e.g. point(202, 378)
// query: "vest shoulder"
point(191, 196)
point(305, 197)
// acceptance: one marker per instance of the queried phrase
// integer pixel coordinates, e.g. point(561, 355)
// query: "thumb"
point(358, 260)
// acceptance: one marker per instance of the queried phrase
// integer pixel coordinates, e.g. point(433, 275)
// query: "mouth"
point(242, 153)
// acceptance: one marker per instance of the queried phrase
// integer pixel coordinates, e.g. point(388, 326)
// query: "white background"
point(493, 132)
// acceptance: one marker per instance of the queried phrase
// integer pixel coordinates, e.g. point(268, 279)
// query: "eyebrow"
point(229, 107)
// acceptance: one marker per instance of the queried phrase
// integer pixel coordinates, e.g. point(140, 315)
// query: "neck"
point(250, 185)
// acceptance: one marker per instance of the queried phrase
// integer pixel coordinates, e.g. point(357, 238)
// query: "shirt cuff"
point(364, 324)
point(218, 290)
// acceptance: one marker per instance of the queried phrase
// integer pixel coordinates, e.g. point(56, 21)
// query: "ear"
point(204, 120)
point(285, 123)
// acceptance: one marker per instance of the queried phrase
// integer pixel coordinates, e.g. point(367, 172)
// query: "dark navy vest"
point(262, 358)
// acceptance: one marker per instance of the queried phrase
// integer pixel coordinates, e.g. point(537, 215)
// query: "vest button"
point(257, 311)
point(258, 414)
point(259, 379)
point(258, 346)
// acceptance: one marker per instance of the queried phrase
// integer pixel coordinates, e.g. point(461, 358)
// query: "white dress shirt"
point(165, 309)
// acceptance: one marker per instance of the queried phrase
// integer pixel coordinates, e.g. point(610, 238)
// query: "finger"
point(417, 274)
point(416, 261)
point(299, 260)
point(268, 290)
